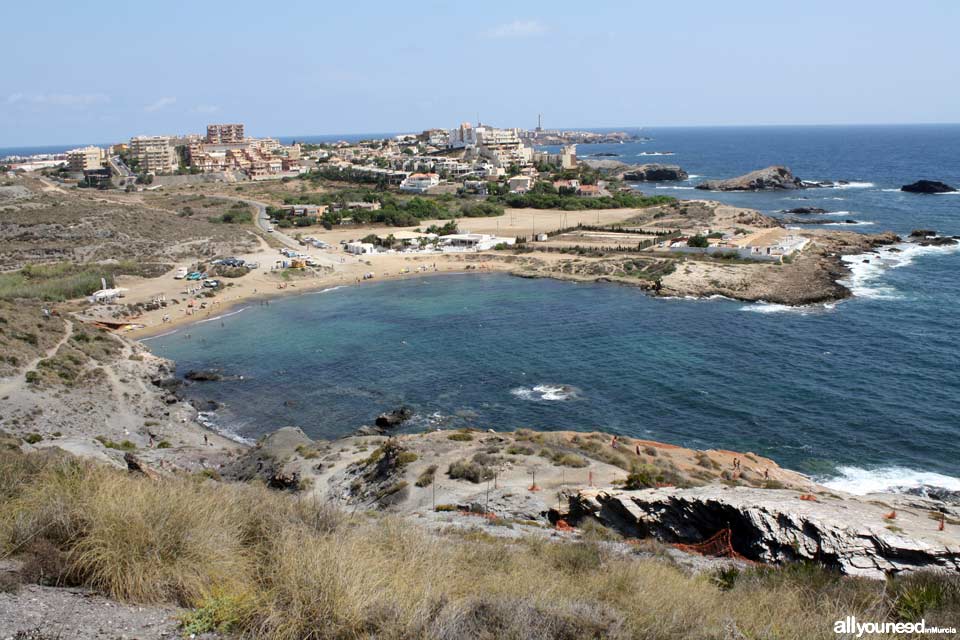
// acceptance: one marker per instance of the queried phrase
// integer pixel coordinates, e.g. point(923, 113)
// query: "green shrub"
point(406, 457)
point(219, 613)
point(472, 471)
point(426, 477)
point(460, 437)
point(519, 450)
point(33, 438)
point(124, 445)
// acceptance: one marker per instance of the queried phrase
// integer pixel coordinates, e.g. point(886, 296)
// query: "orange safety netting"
point(719, 545)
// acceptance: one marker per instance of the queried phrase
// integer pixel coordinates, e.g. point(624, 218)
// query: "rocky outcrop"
point(806, 210)
point(394, 418)
point(655, 173)
point(774, 178)
point(267, 460)
point(867, 536)
point(208, 375)
point(927, 186)
point(929, 238)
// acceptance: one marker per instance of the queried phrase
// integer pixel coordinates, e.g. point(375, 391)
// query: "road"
point(263, 222)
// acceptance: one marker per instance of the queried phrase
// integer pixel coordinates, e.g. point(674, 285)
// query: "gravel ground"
point(76, 614)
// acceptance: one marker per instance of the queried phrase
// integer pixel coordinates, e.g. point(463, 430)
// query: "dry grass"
point(270, 565)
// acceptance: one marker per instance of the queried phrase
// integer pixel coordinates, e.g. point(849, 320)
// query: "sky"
point(81, 71)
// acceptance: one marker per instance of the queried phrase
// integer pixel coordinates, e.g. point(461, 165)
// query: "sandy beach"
point(338, 268)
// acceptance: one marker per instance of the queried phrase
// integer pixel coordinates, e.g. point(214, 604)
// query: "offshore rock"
point(854, 534)
point(927, 186)
point(774, 178)
point(655, 173)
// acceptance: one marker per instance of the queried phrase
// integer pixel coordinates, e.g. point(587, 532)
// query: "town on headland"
point(115, 483)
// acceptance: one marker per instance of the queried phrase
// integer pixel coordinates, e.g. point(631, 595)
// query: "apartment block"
point(224, 133)
point(154, 154)
point(85, 159)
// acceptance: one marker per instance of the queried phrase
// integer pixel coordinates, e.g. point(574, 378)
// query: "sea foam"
point(863, 278)
point(861, 481)
point(545, 392)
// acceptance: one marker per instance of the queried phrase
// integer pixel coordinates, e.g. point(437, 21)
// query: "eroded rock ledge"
point(854, 534)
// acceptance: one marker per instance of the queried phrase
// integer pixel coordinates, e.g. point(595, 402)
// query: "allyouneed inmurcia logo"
point(850, 626)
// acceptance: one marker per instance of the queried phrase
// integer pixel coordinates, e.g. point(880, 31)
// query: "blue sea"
point(863, 393)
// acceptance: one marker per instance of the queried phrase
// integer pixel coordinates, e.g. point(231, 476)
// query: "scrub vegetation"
point(258, 563)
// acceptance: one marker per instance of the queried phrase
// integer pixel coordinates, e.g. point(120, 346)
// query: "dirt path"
point(17, 381)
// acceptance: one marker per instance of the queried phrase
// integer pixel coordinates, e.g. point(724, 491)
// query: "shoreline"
point(307, 287)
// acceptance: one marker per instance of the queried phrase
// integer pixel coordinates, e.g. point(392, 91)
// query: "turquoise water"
point(865, 391)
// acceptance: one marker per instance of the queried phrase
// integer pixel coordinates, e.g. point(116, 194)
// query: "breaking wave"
point(545, 392)
point(894, 479)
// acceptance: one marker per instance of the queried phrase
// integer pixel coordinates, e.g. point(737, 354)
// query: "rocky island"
point(770, 179)
point(655, 173)
point(927, 186)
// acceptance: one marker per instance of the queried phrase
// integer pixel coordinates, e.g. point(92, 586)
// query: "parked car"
point(180, 274)
point(196, 275)
point(211, 284)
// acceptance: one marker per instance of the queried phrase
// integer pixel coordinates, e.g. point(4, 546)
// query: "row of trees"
point(543, 199)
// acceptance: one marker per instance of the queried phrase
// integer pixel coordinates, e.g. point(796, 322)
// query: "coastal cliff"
point(871, 536)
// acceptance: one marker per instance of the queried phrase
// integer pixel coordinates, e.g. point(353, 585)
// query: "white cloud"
point(206, 108)
point(162, 103)
point(60, 99)
point(518, 29)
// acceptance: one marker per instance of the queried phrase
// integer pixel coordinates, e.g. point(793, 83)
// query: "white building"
point(460, 242)
point(463, 136)
point(359, 248)
point(520, 184)
point(420, 182)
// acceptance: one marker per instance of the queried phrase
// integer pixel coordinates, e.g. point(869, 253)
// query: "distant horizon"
point(8, 150)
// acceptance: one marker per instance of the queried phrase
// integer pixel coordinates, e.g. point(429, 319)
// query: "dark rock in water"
point(825, 184)
point(204, 405)
point(929, 238)
point(939, 241)
point(203, 375)
point(814, 210)
point(770, 179)
point(934, 493)
point(927, 186)
point(655, 173)
point(604, 155)
point(395, 418)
